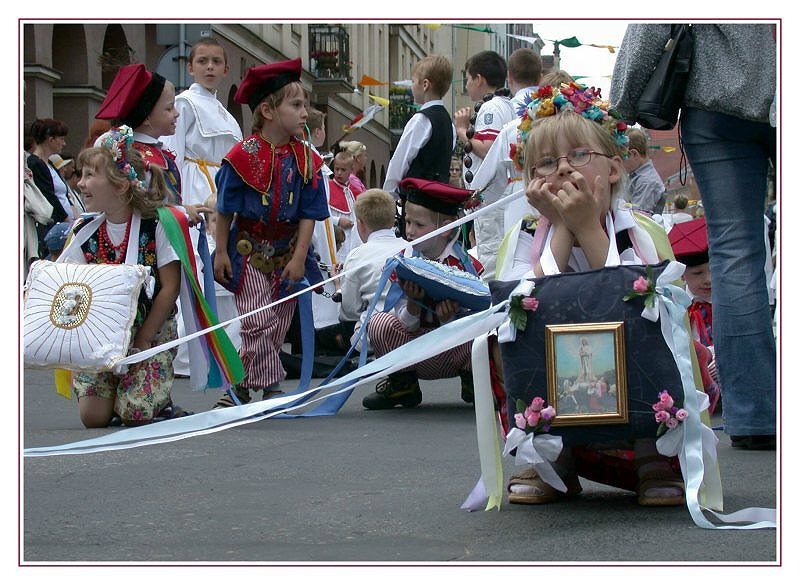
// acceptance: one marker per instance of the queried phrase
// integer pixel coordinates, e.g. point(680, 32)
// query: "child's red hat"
point(689, 241)
point(263, 80)
point(132, 96)
point(433, 195)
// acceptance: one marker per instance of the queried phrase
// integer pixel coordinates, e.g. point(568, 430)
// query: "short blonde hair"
point(344, 158)
point(273, 100)
point(556, 78)
point(436, 69)
point(578, 131)
point(354, 147)
point(376, 208)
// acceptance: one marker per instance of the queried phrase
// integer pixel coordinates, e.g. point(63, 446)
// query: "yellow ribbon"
point(203, 166)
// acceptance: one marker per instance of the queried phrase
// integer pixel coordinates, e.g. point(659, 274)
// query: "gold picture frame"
point(586, 375)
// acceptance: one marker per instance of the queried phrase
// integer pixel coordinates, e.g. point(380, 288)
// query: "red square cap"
point(132, 96)
point(689, 241)
point(263, 80)
point(436, 196)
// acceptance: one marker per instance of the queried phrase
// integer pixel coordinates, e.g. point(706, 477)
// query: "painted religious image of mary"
point(585, 363)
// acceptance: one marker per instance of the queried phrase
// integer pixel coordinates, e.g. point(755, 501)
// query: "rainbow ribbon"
point(224, 364)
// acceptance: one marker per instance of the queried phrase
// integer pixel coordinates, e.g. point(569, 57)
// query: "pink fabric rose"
point(640, 285)
point(681, 415)
point(662, 416)
point(519, 421)
point(665, 399)
point(533, 417)
point(672, 423)
point(548, 413)
point(530, 303)
point(537, 403)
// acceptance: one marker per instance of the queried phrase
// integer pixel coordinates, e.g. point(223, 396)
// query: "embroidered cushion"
point(442, 282)
point(79, 316)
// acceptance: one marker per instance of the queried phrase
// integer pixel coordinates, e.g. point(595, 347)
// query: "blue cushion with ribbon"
point(442, 282)
point(582, 298)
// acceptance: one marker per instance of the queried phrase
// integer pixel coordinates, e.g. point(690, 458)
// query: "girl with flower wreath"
point(114, 182)
point(571, 146)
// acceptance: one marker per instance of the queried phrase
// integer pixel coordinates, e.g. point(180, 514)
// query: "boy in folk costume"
point(343, 196)
point(270, 192)
point(689, 241)
point(427, 205)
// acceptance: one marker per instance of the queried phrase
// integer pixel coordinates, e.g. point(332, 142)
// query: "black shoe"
point(467, 387)
point(753, 442)
point(402, 389)
point(226, 400)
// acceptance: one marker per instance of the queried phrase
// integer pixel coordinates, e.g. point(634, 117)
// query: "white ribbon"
point(698, 469)
point(672, 272)
point(487, 493)
point(536, 450)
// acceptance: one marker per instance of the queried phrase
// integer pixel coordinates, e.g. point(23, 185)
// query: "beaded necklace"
point(107, 252)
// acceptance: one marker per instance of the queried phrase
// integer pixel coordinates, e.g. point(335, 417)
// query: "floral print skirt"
point(144, 390)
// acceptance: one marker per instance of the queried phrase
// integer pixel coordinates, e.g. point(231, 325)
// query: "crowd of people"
point(279, 218)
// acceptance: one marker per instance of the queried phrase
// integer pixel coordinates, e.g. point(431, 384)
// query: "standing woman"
point(50, 137)
point(359, 152)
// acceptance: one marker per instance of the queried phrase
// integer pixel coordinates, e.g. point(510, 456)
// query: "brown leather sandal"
point(536, 491)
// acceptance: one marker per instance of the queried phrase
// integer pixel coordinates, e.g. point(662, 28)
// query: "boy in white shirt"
point(375, 211)
point(205, 130)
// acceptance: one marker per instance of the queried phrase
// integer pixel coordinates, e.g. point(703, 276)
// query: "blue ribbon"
point(334, 403)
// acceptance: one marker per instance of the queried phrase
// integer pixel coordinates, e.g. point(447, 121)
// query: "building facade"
point(68, 67)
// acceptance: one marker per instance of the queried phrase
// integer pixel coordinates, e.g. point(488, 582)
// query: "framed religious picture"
point(586, 381)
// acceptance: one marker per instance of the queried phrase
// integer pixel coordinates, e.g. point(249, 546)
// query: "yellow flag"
point(379, 100)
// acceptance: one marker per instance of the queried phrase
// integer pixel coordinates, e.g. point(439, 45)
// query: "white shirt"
point(491, 118)
point(416, 134)
point(204, 131)
point(362, 271)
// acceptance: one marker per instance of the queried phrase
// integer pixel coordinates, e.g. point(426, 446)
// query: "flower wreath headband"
point(547, 101)
point(117, 141)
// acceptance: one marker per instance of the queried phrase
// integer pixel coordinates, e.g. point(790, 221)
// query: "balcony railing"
point(329, 52)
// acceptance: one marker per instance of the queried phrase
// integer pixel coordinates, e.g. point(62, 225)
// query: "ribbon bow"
point(673, 271)
point(536, 450)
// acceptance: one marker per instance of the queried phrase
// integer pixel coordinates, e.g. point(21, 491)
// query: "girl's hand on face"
point(541, 197)
point(579, 204)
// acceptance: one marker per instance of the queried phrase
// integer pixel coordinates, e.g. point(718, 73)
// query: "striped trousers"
point(262, 333)
point(386, 333)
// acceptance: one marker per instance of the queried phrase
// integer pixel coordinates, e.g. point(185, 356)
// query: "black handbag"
point(662, 98)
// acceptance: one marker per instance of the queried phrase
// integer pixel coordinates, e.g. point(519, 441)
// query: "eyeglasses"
point(576, 158)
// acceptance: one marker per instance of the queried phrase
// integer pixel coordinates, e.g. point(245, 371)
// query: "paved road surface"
point(356, 487)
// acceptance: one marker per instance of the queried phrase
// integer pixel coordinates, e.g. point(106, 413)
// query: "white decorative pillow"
point(79, 316)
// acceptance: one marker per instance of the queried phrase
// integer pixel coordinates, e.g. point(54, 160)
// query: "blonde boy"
point(428, 139)
point(375, 214)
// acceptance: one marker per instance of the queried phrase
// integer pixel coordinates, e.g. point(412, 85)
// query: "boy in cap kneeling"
point(427, 205)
